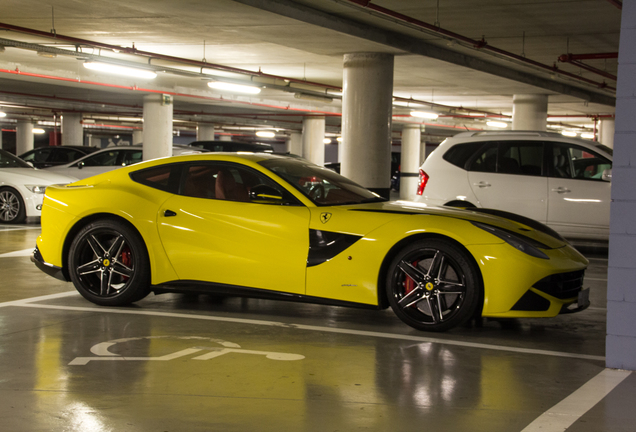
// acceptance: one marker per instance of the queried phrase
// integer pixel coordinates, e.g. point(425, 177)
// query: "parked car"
point(22, 188)
point(44, 157)
point(111, 158)
point(278, 227)
point(233, 146)
point(395, 169)
point(562, 182)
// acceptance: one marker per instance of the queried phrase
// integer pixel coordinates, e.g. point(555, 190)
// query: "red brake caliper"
point(126, 259)
point(409, 284)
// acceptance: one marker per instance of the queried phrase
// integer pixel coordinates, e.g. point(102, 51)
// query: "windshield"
point(321, 185)
point(7, 160)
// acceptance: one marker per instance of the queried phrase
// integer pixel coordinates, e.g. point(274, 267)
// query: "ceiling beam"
point(413, 45)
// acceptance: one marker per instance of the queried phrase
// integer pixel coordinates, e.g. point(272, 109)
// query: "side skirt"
point(186, 286)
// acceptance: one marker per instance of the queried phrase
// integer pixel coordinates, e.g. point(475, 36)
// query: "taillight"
point(422, 184)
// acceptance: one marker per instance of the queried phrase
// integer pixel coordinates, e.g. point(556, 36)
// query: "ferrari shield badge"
point(324, 217)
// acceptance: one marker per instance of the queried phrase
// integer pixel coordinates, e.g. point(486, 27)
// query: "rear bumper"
point(47, 268)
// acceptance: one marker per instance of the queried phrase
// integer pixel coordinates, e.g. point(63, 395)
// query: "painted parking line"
point(20, 253)
point(39, 298)
point(565, 413)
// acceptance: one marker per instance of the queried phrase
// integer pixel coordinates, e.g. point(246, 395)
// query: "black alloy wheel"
point(11, 206)
point(108, 264)
point(433, 285)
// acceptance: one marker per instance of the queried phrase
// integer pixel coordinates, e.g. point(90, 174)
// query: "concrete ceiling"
point(297, 47)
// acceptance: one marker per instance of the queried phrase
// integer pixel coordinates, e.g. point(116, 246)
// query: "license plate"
point(584, 297)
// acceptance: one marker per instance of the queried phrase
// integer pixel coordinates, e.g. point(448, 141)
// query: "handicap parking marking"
point(102, 352)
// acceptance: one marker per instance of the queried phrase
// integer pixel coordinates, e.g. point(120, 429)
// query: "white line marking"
point(595, 279)
point(40, 298)
point(314, 328)
point(565, 413)
point(21, 253)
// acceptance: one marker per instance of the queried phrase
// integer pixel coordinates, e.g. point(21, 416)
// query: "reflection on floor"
point(194, 363)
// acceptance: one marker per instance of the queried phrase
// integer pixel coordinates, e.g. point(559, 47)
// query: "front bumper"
point(47, 268)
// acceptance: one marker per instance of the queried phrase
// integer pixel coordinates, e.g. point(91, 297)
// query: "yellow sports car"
point(278, 227)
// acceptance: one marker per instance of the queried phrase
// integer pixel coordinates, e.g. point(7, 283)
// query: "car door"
point(213, 232)
point(579, 197)
point(509, 175)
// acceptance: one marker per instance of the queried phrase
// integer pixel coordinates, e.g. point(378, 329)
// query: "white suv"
point(562, 182)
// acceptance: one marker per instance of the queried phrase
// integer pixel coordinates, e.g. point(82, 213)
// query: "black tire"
point(108, 264)
point(433, 285)
point(11, 206)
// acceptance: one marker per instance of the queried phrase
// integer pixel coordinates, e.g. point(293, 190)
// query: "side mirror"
point(264, 194)
point(607, 175)
point(80, 165)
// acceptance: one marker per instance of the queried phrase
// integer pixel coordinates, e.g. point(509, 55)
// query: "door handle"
point(169, 213)
point(561, 190)
point(482, 184)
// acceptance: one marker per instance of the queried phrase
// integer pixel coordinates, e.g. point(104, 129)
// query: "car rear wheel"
point(11, 206)
point(433, 285)
point(108, 264)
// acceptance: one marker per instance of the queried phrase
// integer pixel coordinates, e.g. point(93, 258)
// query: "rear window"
point(459, 154)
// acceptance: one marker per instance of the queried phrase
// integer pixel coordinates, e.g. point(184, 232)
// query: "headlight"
point(520, 243)
point(36, 189)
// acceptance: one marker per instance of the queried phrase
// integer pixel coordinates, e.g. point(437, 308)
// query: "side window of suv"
point(485, 160)
point(571, 161)
point(520, 157)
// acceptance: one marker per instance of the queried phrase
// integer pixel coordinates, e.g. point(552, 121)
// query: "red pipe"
point(481, 44)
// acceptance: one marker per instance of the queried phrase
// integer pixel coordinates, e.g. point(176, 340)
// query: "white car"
point(559, 181)
point(22, 188)
point(111, 158)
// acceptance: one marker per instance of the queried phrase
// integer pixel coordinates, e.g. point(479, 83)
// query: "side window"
point(485, 160)
point(164, 177)
point(108, 158)
point(131, 157)
point(65, 155)
point(571, 161)
point(459, 154)
point(228, 182)
point(520, 157)
point(38, 156)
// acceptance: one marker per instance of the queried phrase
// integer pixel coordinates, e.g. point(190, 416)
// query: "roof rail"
point(510, 132)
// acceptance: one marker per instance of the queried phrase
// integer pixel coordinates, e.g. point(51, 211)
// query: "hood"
point(511, 222)
point(32, 175)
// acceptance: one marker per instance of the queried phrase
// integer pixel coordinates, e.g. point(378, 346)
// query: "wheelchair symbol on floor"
point(102, 351)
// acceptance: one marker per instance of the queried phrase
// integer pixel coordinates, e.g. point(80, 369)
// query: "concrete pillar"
point(366, 120)
point(24, 137)
point(205, 132)
point(620, 352)
point(294, 143)
point(313, 139)
point(72, 130)
point(225, 137)
point(529, 112)
point(606, 132)
point(138, 136)
point(410, 161)
point(157, 126)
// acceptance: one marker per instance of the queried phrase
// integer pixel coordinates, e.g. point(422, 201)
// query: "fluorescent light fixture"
point(568, 133)
point(587, 135)
point(312, 97)
point(497, 124)
point(236, 88)
point(3, 114)
point(327, 141)
point(339, 139)
point(120, 70)
point(46, 54)
point(265, 134)
point(38, 131)
point(424, 114)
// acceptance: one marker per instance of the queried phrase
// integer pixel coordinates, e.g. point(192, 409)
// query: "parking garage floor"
point(194, 363)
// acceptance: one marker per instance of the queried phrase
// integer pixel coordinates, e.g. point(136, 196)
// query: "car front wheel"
point(108, 264)
point(11, 206)
point(433, 285)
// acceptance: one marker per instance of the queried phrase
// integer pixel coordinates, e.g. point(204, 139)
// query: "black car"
point(44, 157)
point(395, 169)
point(233, 146)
